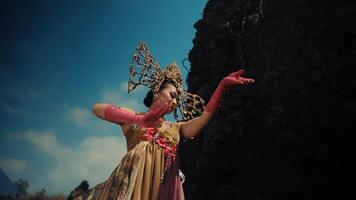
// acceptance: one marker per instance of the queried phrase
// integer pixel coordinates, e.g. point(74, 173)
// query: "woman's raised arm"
point(120, 115)
point(110, 112)
point(99, 109)
point(192, 127)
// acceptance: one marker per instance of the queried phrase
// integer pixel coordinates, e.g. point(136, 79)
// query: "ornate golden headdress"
point(146, 71)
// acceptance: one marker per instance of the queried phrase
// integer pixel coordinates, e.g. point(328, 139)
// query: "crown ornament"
point(145, 70)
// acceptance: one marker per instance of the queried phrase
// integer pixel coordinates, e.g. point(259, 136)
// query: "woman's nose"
point(174, 102)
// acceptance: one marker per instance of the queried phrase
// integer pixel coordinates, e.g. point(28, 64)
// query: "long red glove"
point(230, 80)
point(151, 118)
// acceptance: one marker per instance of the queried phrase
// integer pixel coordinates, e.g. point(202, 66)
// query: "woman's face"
point(169, 95)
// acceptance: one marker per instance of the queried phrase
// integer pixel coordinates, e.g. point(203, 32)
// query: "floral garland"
point(162, 139)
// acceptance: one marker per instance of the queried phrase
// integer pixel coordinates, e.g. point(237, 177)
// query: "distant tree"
point(58, 197)
point(79, 190)
point(41, 194)
point(22, 186)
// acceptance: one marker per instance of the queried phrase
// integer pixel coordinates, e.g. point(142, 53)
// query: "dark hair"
point(149, 96)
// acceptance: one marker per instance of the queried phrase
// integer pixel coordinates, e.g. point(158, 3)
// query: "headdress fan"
point(146, 71)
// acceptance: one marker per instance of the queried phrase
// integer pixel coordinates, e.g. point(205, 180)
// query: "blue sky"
point(58, 58)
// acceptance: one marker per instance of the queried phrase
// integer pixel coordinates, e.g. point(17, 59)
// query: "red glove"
point(151, 118)
point(230, 80)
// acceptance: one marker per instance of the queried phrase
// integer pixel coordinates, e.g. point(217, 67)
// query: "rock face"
point(286, 136)
point(7, 187)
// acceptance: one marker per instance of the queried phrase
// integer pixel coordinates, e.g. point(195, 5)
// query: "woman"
point(150, 168)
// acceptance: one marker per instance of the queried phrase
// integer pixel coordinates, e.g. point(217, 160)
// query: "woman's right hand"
point(119, 115)
point(235, 78)
point(232, 79)
point(156, 111)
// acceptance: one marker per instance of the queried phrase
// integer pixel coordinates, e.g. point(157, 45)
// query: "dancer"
point(150, 169)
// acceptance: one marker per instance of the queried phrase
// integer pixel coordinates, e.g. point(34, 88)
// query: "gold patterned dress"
point(149, 170)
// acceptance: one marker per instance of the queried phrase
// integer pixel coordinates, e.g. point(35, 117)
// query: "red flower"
point(149, 134)
point(152, 135)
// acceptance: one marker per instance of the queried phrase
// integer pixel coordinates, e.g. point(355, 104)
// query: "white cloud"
point(34, 94)
point(79, 116)
point(124, 88)
point(12, 165)
point(92, 159)
point(19, 111)
point(21, 95)
point(24, 94)
point(45, 141)
point(121, 98)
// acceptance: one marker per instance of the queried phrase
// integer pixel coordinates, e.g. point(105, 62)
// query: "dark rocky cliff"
point(286, 136)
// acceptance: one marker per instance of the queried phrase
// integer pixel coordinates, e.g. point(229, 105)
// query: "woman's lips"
point(171, 108)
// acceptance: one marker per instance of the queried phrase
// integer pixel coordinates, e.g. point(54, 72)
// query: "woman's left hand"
point(235, 78)
point(192, 127)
